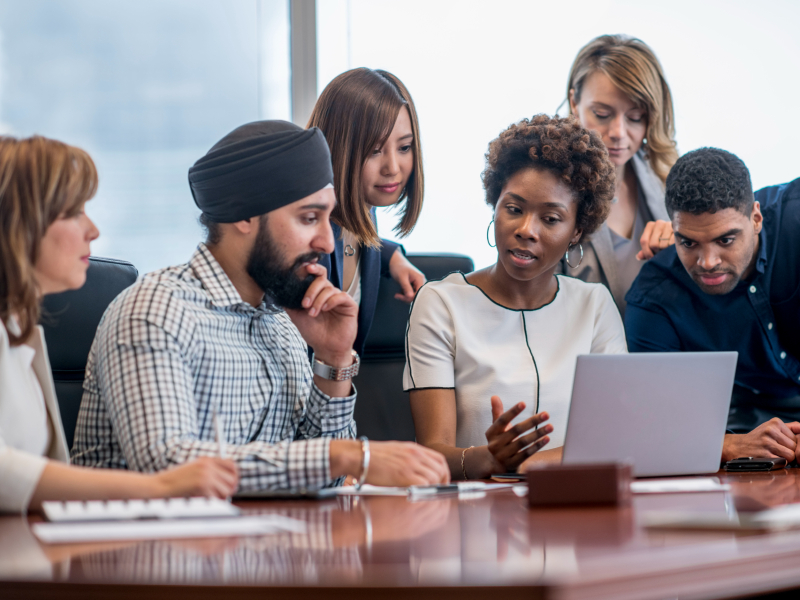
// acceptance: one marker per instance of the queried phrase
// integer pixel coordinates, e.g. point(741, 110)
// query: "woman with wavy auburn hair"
point(617, 88)
point(44, 249)
point(370, 123)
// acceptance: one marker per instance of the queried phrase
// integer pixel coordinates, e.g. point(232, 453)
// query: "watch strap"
point(333, 373)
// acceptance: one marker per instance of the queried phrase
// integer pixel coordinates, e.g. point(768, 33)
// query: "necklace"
point(349, 250)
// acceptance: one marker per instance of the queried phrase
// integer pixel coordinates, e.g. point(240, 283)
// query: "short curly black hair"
point(560, 145)
point(707, 180)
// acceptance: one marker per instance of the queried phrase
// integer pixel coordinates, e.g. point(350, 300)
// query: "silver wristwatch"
point(334, 374)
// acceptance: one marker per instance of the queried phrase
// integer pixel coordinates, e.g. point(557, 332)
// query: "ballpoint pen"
point(452, 488)
point(219, 434)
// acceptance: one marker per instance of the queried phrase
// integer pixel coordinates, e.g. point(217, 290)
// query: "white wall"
point(474, 67)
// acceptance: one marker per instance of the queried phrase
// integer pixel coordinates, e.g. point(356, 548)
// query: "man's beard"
point(267, 266)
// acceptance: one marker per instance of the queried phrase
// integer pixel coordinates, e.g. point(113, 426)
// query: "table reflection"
point(340, 537)
point(391, 541)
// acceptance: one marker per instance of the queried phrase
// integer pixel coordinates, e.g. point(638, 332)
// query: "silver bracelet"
point(463, 466)
point(359, 481)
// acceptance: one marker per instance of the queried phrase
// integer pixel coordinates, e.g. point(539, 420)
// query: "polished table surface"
point(449, 547)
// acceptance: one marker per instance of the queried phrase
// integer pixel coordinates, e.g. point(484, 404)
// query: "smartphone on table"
point(755, 463)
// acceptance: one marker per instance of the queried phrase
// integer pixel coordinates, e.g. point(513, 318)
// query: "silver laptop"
point(666, 413)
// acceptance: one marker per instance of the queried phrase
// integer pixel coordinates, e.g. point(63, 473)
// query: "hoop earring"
point(491, 245)
point(566, 257)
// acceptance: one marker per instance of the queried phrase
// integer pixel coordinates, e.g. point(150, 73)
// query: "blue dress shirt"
point(759, 318)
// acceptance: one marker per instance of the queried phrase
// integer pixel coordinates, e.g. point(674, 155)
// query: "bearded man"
point(223, 338)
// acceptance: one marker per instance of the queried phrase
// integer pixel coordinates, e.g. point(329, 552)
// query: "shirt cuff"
point(20, 473)
point(308, 464)
point(330, 416)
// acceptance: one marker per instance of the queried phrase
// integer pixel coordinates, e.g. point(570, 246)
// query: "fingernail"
point(313, 312)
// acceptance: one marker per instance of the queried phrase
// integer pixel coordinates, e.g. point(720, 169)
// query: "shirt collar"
point(215, 280)
point(761, 259)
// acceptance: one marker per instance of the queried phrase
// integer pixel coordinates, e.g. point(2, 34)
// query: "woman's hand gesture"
point(510, 445)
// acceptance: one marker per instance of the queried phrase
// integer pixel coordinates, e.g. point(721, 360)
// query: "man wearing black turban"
point(215, 350)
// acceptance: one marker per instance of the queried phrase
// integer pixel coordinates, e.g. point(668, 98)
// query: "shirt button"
point(769, 326)
point(783, 355)
point(752, 289)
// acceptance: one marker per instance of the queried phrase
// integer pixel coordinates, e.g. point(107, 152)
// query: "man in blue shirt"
point(731, 282)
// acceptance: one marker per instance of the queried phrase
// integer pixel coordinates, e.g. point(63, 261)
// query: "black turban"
point(259, 167)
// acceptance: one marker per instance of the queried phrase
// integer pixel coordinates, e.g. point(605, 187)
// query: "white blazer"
point(19, 470)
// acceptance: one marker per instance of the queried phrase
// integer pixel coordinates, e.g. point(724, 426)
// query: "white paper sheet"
point(371, 490)
point(676, 486)
point(63, 533)
point(376, 490)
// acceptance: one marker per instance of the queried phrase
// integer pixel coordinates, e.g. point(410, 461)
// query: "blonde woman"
point(44, 249)
point(618, 89)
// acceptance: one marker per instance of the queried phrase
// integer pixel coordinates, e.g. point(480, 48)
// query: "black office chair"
point(382, 410)
point(70, 321)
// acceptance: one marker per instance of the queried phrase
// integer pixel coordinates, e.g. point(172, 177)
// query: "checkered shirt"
point(179, 344)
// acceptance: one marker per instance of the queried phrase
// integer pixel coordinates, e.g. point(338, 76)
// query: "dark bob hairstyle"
point(357, 112)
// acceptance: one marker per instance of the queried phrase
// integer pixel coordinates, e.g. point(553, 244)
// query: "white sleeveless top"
point(458, 338)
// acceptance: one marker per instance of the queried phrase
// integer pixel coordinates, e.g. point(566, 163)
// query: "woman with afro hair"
point(509, 334)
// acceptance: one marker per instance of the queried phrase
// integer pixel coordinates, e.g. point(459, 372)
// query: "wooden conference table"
point(447, 548)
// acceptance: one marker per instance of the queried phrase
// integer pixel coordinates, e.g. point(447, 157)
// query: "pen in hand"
point(219, 435)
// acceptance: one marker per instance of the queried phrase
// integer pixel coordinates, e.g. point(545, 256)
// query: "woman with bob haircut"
point(44, 249)
point(369, 120)
point(511, 333)
point(617, 88)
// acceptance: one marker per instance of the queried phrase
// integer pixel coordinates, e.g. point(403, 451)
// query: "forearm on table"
point(301, 463)
point(478, 461)
point(64, 482)
point(553, 456)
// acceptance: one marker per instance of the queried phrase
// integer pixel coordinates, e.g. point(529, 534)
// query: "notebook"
point(128, 510)
point(99, 521)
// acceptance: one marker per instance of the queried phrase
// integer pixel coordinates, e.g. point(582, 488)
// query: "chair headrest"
point(386, 339)
point(70, 319)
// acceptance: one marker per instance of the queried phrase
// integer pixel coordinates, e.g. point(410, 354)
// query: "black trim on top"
point(408, 324)
point(535, 366)
point(416, 389)
point(558, 289)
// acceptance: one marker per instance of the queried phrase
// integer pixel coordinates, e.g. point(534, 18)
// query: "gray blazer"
point(599, 264)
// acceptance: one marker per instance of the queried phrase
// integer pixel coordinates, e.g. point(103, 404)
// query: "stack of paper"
point(73, 522)
point(117, 510)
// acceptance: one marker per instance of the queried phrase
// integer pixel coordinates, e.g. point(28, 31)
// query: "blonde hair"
point(357, 112)
point(41, 180)
point(633, 67)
